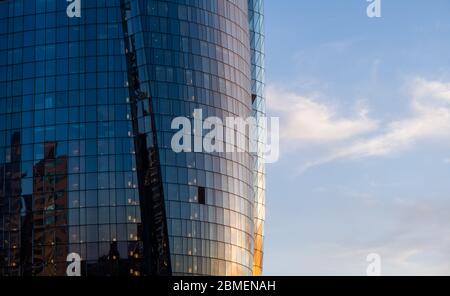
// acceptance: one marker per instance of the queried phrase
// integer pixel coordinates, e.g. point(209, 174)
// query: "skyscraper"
point(86, 164)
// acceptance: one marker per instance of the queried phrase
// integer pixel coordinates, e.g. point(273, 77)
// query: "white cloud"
point(309, 121)
point(431, 89)
point(306, 120)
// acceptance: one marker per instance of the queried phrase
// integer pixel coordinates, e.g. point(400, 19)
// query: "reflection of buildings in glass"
point(118, 262)
point(26, 247)
point(50, 237)
point(10, 207)
point(111, 263)
point(105, 90)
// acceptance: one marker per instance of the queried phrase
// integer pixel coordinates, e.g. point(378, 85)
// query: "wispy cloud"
point(309, 121)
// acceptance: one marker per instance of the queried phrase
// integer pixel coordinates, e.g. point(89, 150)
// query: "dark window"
point(253, 98)
point(201, 195)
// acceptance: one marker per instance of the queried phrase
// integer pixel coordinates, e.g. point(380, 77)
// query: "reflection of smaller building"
point(26, 247)
point(122, 259)
point(111, 264)
point(50, 235)
point(10, 206)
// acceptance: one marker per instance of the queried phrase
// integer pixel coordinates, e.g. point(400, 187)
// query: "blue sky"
point(365, 127)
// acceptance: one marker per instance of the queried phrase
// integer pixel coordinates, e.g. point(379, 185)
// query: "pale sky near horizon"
point(365, 126)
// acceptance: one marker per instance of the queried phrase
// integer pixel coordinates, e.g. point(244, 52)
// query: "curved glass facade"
point(256, 16)
point(86, 164)
point(66, 156)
